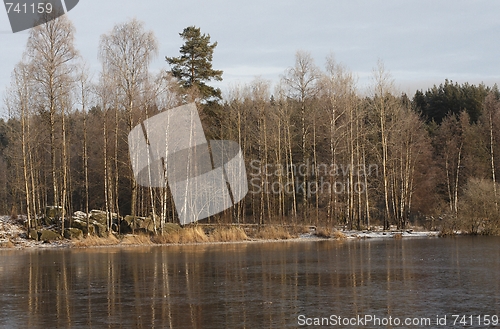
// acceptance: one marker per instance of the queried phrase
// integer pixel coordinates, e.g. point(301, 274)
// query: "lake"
point(256, 285)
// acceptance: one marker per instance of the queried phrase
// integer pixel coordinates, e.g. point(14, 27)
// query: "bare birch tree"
point(19, 104)
point(126, 53)
point(301, 81)
point(384, 104)
point(51, 53)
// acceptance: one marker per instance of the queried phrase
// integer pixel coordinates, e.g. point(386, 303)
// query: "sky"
point(420, 42)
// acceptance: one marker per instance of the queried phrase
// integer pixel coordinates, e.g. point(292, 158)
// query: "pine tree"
point(194, 67)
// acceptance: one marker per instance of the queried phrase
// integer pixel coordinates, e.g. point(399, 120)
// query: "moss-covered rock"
point(73, 233)
point(100, 230)
point(80, 215)
point(79, 224)
point(135, 224)
point(53, 212)
point(99, 216)
point(171, 227)
point(33, 234)
point(49, 221)
point(147, 225)
point(48, 235)
point(82, 225)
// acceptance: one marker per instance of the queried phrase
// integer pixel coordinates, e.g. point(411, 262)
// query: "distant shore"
point(13, 236)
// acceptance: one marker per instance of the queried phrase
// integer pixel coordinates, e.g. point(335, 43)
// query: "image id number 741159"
point(475, 320)
point(34, 8)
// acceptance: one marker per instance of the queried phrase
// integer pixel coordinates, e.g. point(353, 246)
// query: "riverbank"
point(13, 236)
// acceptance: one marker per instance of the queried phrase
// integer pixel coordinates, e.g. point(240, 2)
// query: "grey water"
point(254, 285)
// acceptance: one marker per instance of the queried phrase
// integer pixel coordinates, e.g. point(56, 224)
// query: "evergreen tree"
point(450, 99)
point(194, 67)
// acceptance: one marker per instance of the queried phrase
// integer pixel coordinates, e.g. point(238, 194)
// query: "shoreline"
point(13, 236)
point(24, 244)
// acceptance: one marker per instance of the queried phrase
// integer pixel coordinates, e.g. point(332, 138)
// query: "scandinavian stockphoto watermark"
point(27, 14)
point(310, 179)
point(204, 177)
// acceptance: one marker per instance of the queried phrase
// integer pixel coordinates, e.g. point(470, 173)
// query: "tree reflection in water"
point(247, 285)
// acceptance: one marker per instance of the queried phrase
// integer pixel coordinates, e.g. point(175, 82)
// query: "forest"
point(317, 150)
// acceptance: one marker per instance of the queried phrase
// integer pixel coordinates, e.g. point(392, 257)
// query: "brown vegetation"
point(339, 235)
point(228, 234)
point(273, 233)
point(193, 234)
point(328, 232)
point(94, 241)
point(7, 244)
point(136, 239)
point(324, 232)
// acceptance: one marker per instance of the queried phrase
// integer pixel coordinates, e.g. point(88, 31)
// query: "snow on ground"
point(351, 234)
point(389, 234)
point(13, 235)
point(9, 229)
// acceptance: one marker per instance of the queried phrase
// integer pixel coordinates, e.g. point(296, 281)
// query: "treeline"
point(316, 149)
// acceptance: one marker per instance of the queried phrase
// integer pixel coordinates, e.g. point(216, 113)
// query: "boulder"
point(73, 233)
point(33, 234)
point(80, 215)
point(82, 225)
point(171, 227)
point(131, 223)
point(129, 220)
point(49, 221)
point(53, 211)
point(98, 216)
point(48, 235)
point(149, 225)
point(125, 227)
point(146, 225)
point(100, 230)
point(126, 224)
point(79, 224)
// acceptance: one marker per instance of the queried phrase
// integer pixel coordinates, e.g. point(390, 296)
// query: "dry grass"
point(7, 244)
point(273, 233)
point(174, 234)
point(193, 234)
point(329, 233)
point(324, 232)
point(186, 235)
point(398, 236)
point(339, 235)
point(137, 239)
point(166, 238)
point(94, 241)
point(228, 234)
point(296, 230)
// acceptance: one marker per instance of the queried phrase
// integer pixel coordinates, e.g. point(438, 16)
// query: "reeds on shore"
point(7, 244)
point(174, 234)
point(329, 233)
point(273, 233)
point(95, 241)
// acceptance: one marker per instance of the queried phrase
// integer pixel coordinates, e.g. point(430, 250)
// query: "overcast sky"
point(420, 42)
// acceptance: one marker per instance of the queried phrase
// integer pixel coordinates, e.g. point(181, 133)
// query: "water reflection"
point(248, 285)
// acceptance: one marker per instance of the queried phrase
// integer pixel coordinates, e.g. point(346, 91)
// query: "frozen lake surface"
point(250, 285)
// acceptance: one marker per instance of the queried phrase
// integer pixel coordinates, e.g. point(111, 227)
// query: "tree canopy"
point(450, 99)
point(193, 67)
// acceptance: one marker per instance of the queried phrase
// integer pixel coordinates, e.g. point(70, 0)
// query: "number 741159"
point(33, 8)
point(475, 320)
